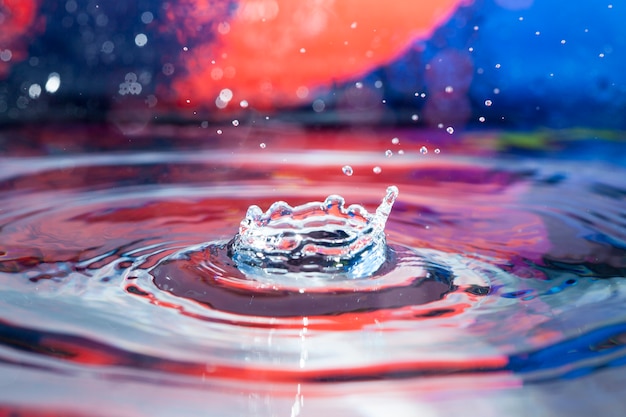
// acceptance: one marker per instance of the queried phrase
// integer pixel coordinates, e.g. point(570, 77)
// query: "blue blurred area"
point(548, 64)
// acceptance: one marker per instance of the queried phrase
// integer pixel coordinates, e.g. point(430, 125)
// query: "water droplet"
point(395, 141)
point(347, 169)
point(235, 122)
point(481, 119)
point(34, 91)
point(262, 145)
point(302, 50)
point(449, 89)
point(401, 152)
point(377, 170)
point(415, 117)
point(450, 129)
point(488, 103)
point(243, 104)
point(437, 150)
point(53, 83)
point(147, 17)
point(353, 25)
point(318, 105)
point(141, 40)
point(423, 150)
point(388, 153)
point(219, 131)
point(226, 94)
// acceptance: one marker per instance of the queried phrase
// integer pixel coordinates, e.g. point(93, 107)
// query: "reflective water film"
point(158, 276)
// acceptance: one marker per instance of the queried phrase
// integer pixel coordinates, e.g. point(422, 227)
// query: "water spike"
point(384, 209)
point(253, 216)
point(334, 200)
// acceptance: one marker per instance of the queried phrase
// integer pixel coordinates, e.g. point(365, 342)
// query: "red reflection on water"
point(276, 52)
point(16, 20)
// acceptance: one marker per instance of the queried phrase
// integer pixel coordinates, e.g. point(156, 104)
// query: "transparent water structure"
point(318, 239)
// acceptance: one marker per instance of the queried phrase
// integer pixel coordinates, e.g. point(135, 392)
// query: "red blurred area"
point(17, 18)
point(279, 52)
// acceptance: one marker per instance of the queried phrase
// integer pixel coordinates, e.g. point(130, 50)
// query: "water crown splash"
point(314, 240)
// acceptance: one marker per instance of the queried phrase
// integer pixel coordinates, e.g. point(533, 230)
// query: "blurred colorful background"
point(447, 63)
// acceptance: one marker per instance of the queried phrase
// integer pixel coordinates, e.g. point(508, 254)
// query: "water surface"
point(502, 277)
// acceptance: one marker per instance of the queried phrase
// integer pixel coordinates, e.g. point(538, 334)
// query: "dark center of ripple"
point(210, 277)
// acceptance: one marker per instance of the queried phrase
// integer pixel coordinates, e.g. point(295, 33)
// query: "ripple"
point(484, 269)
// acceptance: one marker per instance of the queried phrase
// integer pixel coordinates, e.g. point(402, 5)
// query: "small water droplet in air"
point(488, 103)
point(449, 89)
point(353, 25)
point(377, 170)
point(395, 141)
point(450, 129)
point(318, 105)
point(146, 17)
point(34, 91)
point(415, 117)
point(235, 122)
point(347, 169)
point(302, 50)
point(219, 131)
point(497, 66)
point(423, 150)
point(141, 40)
point(244, 104)
point(437, 150)
point(401, 152)
point(563, 41)
point(262, 145)
point(481, 119)
point(388, 153)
